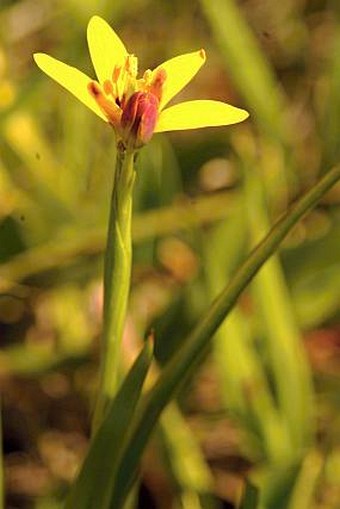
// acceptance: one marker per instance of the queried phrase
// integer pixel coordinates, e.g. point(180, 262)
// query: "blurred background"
point(264, 403)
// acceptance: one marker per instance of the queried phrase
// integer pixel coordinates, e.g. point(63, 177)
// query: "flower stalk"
point(136, 107)
point(117, 274)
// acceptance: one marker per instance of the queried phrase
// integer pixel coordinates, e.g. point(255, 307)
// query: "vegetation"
point(241, 412)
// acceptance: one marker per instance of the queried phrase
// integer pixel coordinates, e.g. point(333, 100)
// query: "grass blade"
point(186, 358)
point(250, 71)
point(188, 467)
point(92, 488)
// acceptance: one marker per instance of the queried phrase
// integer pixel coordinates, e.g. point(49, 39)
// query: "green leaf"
point(93, 485)
point(184, 361)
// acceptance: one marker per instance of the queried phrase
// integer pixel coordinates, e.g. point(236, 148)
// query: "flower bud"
point(139, 118)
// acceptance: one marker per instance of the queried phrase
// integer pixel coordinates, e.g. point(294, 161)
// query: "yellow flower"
point(135, 106)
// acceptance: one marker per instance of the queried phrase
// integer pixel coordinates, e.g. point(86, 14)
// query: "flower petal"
point(195, 114)
point(106, 48)
point(180, 70)
point(70, 78)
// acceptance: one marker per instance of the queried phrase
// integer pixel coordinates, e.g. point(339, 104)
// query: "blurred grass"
point(239, 367)
point(2, 476)
point(280, 60)
point(248, 67)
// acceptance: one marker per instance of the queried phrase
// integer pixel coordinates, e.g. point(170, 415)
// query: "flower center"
point(127, 101)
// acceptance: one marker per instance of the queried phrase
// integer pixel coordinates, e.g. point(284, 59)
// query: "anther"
point(108, 87)
point(116, 73)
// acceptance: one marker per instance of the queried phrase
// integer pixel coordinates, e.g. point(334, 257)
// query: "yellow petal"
point(180, 70)
point(70, 78)
point(195, 114)
point(106, 48)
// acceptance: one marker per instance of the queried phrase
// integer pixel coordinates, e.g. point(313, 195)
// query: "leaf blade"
point(93, 485)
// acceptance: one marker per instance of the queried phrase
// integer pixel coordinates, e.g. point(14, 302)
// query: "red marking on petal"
point(94, 89)
point(108, 107)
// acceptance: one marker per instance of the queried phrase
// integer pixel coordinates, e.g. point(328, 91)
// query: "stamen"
point(131, 66)
point(117, 79)
point(108, 87)
point(116, 73)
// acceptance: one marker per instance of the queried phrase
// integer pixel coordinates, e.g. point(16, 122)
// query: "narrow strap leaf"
point(186, 358)
point(92, 488)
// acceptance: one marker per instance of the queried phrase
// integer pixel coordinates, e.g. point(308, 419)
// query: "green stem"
point(182, 363)
point(117, 273)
